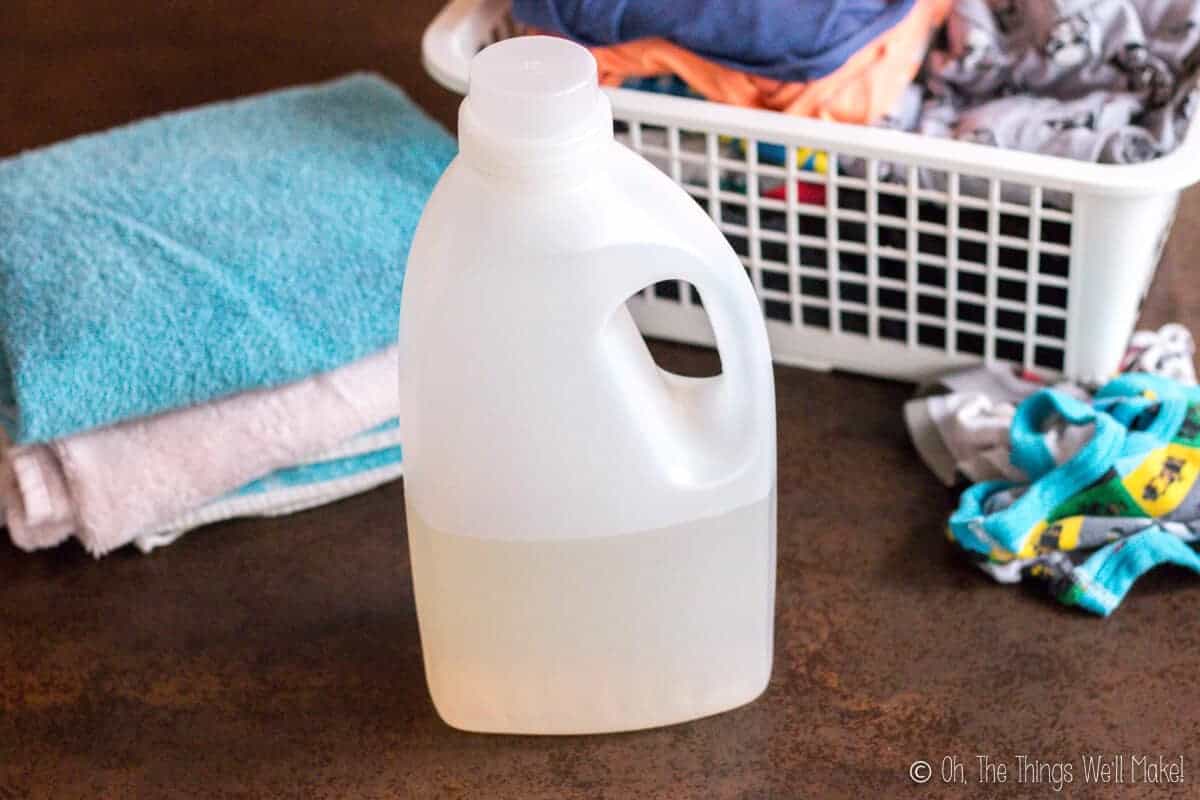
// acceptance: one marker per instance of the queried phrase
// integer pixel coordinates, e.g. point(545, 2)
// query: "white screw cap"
point(533, 87)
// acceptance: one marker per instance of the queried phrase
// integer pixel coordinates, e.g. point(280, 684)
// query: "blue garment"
point(203, 253)
point(798, 40)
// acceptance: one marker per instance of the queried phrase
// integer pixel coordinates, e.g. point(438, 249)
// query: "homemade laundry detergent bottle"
point(592, 538)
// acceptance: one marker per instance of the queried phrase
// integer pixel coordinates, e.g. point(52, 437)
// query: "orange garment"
point(863, 90)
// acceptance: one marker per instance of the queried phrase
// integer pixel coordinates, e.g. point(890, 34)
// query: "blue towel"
point(202, 253)
point(797, 40)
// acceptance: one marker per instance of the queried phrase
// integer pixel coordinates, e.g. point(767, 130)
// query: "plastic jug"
point(592, 538)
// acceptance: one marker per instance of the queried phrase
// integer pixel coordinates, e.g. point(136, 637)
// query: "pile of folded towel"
point(198, 313)
point(1098, 80)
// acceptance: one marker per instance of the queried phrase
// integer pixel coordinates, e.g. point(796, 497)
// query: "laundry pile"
point(846, 60)
point(198, 313)
point(1110, 81)
point(960, 422)
point(1083, 491)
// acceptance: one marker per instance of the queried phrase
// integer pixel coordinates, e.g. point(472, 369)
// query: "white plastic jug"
point(592, 538)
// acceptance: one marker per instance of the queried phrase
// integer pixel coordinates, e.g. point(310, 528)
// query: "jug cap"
point(533, 106)
point(533, 87)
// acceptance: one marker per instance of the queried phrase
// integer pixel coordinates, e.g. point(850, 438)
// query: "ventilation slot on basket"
point(881, 251)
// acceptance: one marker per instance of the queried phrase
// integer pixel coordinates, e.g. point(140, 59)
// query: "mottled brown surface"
point(280, 657)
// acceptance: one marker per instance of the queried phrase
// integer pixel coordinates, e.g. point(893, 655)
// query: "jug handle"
point(738, 403)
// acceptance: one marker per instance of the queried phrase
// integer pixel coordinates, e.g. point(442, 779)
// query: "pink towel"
point(109, 485)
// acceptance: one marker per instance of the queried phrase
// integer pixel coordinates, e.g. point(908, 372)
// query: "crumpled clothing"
point(1109, 81)
point(1125, 503)
point(961, 428)
point(801, 40)
point(964, 432)
point(1067, 48)
point(1169, 351)
point(862, 90)
point(1105, 127)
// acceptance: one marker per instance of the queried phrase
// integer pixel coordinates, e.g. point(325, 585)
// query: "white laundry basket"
point(1016, 257)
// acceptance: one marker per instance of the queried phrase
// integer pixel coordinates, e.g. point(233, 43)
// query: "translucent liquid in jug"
point(597, 634)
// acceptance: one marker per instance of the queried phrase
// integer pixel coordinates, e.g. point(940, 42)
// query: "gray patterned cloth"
point(960, 424)
point(1110, 81)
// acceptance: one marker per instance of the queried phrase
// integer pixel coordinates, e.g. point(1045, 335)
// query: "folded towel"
point(198, 254)
point(365, 462)
point(113, 484)
point(287, 491)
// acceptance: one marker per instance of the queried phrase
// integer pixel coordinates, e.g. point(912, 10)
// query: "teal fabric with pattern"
point(1127, 502)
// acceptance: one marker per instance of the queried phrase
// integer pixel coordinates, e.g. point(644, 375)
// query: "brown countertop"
point(281, 658)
